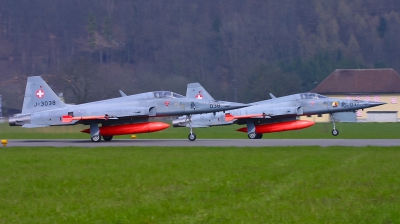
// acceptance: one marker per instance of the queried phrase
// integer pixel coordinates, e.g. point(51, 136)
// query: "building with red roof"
point(381, 85)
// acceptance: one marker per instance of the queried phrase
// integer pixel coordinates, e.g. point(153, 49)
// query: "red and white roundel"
point(39, 93)
point(199, 96)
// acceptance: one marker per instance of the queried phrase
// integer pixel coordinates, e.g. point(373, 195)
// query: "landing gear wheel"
point(252, 135)
point(107, 138)
point(335, 132)
point(258, 136)
point(192, 137)
point(95, 138)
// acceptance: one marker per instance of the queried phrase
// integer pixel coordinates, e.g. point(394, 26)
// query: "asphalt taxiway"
point(204, 142)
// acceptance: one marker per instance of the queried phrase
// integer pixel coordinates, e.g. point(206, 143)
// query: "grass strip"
point(318, 131)
point(200, 185)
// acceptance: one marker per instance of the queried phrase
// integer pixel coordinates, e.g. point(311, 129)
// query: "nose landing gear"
point(191, 136)
point(335, 132)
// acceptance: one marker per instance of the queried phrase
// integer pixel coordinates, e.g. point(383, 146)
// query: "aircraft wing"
point(107, 114)
point(68, 118)
point(229, 117)
point(262, 111)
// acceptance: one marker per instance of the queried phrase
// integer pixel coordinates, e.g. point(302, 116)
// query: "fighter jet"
point(277, 114)
point(117, 116)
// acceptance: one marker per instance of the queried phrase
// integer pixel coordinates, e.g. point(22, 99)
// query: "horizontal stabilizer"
point(198, 126)
point(34, 125)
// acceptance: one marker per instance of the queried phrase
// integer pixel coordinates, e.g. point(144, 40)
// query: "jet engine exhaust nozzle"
point(20, 120)
point(179, 122)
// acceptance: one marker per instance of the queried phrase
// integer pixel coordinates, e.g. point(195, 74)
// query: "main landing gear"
point(191, 136)
point(254, 135)
point(108, 138)
point(251, 130)
point(95, 134)
point(335, 132)
point(95, 138)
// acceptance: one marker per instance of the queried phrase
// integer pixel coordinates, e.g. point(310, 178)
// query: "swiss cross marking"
point(199, 96)
point(39, 93)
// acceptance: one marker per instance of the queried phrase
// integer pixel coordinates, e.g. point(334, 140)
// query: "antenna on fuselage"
point(122, 93)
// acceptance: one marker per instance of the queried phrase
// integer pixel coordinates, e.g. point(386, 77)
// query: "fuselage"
point(312, 103)
point(278, 109)
point(123, 109)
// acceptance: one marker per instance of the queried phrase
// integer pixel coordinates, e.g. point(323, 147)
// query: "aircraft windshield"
point(166, 94)
point(311, 96)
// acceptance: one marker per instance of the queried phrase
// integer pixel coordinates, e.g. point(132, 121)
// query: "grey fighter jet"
point(277, 114)
point(117, 116)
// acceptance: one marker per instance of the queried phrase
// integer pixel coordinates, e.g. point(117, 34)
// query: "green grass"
point(200, 185)
point(318, 131)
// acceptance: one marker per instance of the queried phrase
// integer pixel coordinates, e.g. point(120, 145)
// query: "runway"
point(204, 142)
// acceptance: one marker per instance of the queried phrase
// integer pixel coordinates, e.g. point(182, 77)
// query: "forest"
point(238, 50)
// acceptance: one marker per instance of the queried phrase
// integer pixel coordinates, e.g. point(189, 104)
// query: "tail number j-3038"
point(45, 103)
point(216, 105)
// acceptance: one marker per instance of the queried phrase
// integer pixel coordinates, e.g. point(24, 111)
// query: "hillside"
point(250, 47)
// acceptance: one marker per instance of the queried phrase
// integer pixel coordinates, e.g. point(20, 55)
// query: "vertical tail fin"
point(39, 96)
point(196, 91)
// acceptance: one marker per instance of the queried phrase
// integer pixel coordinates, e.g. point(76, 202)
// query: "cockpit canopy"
point(166, 94)
point(311, 96)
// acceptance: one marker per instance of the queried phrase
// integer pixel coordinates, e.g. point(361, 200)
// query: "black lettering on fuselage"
point(45, 103)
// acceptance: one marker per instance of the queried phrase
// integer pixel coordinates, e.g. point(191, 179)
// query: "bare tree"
point(79, 79)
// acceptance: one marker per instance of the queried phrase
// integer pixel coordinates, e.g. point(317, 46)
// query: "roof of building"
point(356, 81)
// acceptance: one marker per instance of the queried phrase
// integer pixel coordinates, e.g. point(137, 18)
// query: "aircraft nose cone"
point(376, 103)
point(372, 103)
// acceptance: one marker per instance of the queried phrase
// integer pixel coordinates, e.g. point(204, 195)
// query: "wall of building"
point(392, 104)
point(382, 116)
